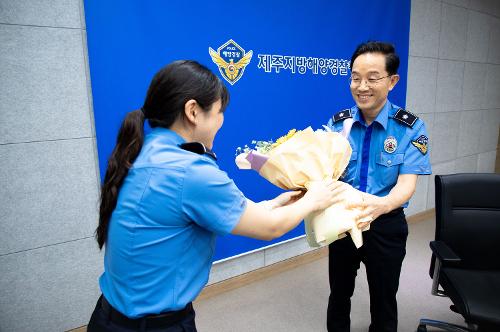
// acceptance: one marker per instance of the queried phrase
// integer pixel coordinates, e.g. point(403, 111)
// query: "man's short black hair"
point(391, 58)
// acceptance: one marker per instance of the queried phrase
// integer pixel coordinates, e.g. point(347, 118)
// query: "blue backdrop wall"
point(297, 74)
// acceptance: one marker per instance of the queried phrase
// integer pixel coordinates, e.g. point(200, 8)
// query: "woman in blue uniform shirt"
point(164, 200)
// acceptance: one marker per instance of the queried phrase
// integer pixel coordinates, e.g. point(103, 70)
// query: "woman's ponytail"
point(128, 145)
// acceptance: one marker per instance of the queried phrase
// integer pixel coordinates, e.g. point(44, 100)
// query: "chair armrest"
point(444, 253)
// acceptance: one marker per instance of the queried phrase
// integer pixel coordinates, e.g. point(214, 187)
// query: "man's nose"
point(363, 85)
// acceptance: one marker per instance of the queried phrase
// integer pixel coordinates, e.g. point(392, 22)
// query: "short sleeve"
point(416, 156)
point(210, 198)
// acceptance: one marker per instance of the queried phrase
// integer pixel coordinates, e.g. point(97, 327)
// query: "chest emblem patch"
point(421, 143)
point(390, 144)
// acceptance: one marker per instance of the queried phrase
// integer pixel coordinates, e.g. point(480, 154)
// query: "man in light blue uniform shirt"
point(376, 171)
point(389, 150)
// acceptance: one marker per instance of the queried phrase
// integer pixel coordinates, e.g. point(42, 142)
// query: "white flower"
point(242, 162)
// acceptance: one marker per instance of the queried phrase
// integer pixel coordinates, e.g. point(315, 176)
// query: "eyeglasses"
point(356, 81)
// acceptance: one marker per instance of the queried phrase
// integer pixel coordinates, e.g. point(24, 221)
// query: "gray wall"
point(454, 84)
point(49, 262)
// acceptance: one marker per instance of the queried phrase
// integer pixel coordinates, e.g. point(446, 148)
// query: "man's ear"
point(191, 110)
point(394, 81)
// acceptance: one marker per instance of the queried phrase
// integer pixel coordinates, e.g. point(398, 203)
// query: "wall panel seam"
point(48, 245)
point(39, 26)
point(465, 61)
point(49, 140)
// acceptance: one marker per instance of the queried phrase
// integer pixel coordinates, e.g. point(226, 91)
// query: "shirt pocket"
point(388, 167)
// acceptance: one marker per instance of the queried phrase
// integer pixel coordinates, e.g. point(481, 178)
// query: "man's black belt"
point(161, 320)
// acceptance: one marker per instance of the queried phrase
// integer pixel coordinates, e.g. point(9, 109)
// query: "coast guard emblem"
point(390, 144)
point(231, 59)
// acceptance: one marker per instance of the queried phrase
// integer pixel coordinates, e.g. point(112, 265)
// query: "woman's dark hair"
point(168, 92)
point(391, 58)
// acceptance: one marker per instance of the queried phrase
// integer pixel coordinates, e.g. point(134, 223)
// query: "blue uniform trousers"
point(383, 251)
point(105, 318)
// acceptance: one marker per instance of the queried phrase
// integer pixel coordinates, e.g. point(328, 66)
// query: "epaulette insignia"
point(406, 117)
point(345, 114)
point(198, 148)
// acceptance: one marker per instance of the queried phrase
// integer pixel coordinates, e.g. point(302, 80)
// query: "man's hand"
point(374, 206)
point(371, 208)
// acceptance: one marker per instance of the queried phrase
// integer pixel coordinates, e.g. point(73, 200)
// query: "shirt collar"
point(381, 118)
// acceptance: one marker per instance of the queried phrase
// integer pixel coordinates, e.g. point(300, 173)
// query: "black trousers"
point(105, 319)
point(383, 251)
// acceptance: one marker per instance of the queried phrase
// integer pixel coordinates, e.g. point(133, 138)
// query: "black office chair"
point(466, 250)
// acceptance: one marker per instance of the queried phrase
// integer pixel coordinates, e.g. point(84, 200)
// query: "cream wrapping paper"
point(312, 156)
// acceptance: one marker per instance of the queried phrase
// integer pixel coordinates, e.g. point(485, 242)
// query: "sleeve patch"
point(421, 144)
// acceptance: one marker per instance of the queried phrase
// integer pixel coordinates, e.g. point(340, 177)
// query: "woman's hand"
point(286, 198)
point(260, 223)
point(323, 194)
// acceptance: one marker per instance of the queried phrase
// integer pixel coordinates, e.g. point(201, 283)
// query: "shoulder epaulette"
point(405, 117)
point(198, 148)
point(342, 115)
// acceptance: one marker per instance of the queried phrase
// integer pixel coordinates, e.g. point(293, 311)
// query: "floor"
point(296, 300)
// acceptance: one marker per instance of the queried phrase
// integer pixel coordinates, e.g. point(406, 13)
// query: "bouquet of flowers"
point(303, 156)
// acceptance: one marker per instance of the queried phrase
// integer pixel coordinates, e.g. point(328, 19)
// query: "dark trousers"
point(105, 319)
point(383, 251)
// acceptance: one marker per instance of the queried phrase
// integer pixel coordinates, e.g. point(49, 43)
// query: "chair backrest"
point(468, 217)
